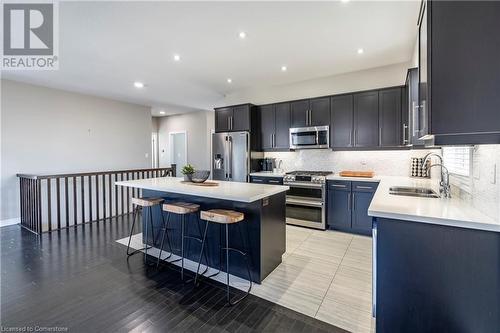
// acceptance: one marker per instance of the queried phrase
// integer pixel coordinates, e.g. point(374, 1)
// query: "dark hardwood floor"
point(80, 279)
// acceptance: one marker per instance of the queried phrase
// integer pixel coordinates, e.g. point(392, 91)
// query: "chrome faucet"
point(444, 184)
point(280, 162)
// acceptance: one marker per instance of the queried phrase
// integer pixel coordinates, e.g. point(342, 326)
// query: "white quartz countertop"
point(443, 211)
point(334, 176)
point(268, 174)
point(233, 191)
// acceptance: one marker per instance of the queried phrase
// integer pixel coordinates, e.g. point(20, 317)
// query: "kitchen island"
point(263, 236)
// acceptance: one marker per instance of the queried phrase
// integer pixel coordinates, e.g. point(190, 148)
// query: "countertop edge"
point(278, 189)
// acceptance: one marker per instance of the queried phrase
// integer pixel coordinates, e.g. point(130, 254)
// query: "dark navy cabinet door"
point(361, 222)
point(366, 129)
point(390, 117)
point(300, 113)
point(320, 112)
point(341, 121)
point(339, 206)
point(241, 118)
point(267, 122)
point(222, 119)
point(282, 126)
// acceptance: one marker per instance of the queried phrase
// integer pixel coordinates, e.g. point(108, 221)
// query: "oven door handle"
point(308, 203)
point(304, 185)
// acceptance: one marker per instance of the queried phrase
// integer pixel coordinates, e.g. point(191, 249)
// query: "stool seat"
point(181, 207)
point(222, 216)
point(147, 202)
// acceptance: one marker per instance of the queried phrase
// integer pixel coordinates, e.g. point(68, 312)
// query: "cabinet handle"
point(256, 180)
point(405, 139)
point(228, 123)
point(307, 117)
point(274, 181)
point(349, 202)
point(310, 117)
point(415, 117)
point(364, 187)
point(353, 201)
point(336, 185)
point(271, 140)
point(350, 138)
point(380, 136)
point(355, 137)
point(231, 122)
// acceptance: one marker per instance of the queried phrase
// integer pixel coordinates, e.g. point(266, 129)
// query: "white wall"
point(198, 126)
point(49, 131)
point(380, 77)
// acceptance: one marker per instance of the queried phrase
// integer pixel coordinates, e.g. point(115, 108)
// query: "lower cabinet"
point(266, 180)
point(348, 203)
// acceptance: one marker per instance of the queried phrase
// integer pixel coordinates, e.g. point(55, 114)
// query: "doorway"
point(178, 148)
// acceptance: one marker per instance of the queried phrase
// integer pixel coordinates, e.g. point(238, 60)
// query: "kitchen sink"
point(413, 192)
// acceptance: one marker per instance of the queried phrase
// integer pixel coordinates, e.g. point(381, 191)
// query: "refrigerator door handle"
point(225, 157)
point(230, 153)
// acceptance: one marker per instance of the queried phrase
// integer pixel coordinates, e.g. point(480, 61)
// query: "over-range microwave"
point(310, 137)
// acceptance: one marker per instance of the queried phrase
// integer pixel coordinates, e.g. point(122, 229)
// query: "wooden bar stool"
point(141, 203)
point(225, 217)
point(183, 209)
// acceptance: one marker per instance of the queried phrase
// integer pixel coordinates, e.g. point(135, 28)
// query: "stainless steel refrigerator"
point(231, 156)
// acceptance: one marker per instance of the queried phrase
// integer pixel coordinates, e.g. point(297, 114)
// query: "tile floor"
point(324, 274)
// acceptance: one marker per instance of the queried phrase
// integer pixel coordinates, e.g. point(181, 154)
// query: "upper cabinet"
point(366, 126)
point(310, 112)
point(342, 120)
point(274, 126)
point(389, 112)
point(234, 118)
point(459, 95)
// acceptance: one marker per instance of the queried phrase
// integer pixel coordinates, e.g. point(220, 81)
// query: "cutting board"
point(362, 174)
point(207, 183)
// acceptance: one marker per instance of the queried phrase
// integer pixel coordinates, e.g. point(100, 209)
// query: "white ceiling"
point(106, 46)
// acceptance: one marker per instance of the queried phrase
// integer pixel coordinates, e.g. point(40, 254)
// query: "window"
point(458, 160)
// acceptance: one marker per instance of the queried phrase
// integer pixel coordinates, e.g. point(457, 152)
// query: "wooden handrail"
point(59, 201)
point(64, 175)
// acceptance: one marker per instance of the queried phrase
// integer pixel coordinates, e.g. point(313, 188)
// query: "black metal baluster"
point(104, 195)
point(39, 192)
point(58, 202)
point(49, 205)
point(90, 199)
point(66, 200)
point(121, 191)
point(82, 188)
point(110, 197)
point(75, 203)
point(116, 195)
point(128, 196)
point(97, 196)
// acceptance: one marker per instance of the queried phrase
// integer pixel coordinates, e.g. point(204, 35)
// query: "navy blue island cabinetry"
point(348, 203)
point(262, 234)
point(436, 278)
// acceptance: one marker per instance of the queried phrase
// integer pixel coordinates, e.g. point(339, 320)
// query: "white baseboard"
point(6, 222)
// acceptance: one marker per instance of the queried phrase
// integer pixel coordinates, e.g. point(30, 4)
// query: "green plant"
point(188, 169)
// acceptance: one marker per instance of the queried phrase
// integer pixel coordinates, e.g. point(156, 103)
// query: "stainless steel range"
point(305, 201)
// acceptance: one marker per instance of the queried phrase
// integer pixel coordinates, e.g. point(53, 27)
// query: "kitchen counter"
point(233, 191)
point(268, 174)
point(334, 176)
point(262, 233)
point(442, 211)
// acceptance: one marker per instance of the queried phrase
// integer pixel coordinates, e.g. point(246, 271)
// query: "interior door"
point(239, 159)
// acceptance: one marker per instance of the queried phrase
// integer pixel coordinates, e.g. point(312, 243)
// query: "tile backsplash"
point(386, 162)
point(483, 186)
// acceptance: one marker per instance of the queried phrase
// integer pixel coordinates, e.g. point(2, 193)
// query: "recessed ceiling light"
point(360, 51)
point(283, 68)
point(344, 1)
point(177, 57)
point(138, 84)
point(229, 80)
point(242, 35)
point(162, 112)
